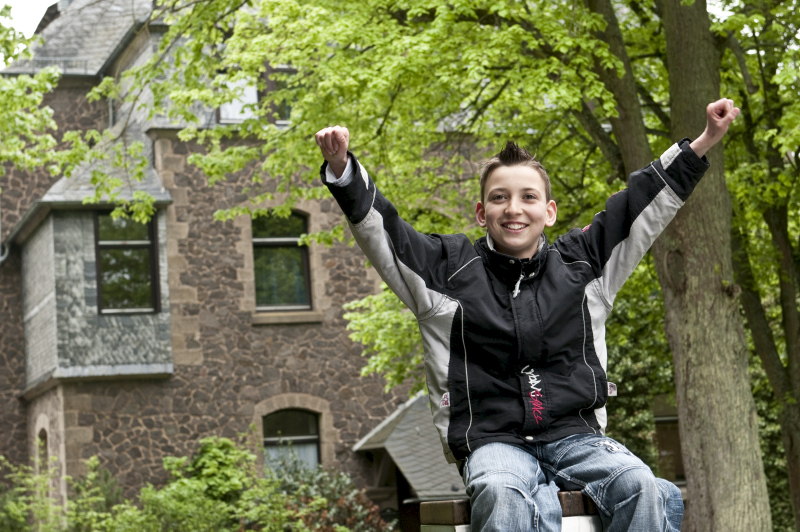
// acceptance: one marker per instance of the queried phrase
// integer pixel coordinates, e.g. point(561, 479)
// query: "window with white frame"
point(281, 263)
point(292, 431)
point(239, 110)
point(127, 267)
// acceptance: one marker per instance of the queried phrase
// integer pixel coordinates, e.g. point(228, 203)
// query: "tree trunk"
point(719, 429)
point(717, 416)
point(783, 387)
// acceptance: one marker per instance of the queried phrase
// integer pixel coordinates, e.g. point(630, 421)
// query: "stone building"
point(133, 343)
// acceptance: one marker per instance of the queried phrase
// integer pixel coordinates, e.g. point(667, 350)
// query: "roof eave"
point(40, 209)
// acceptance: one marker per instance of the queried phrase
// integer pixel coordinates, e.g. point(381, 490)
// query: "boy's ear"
point(480, 214)
point(552, 213)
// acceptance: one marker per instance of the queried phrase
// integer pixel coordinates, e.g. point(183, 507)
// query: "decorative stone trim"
point(96, 372)
point(274, 318)
point(328, 435)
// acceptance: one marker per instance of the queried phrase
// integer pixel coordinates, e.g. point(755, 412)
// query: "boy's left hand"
point(719, 116)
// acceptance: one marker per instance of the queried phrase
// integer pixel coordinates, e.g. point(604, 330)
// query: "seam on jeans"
point(663, 508)
point(585, 488)
point(525, 496)
point(617, 472)
point(603, 487)
point(509, 471)
point(568, 448)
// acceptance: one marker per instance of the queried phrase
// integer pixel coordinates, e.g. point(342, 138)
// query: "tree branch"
point(750, 298)
point(656, 107)
point(777, 219)
point(736, 48)
point(603, 140)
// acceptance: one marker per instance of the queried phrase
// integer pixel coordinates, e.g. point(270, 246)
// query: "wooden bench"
point(579, 514)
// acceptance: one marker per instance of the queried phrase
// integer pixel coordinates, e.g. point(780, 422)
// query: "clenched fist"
point(719, 116)
point(333, 142)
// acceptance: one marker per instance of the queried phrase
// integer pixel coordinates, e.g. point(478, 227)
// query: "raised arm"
point(619, 236)
point(414, 265)
point(719, 116)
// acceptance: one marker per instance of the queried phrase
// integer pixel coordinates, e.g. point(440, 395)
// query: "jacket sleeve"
point(618, 237)
point(412, 264)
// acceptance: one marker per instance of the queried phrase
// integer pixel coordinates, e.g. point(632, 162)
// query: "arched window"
point(43, 452)
point(281, 264)
point(297, 428)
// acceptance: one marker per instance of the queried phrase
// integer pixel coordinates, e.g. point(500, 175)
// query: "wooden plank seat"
point(579, 514)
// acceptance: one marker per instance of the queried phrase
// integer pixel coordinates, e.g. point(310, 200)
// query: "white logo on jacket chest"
point(535, 395)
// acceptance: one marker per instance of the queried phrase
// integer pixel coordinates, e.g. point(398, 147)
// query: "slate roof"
point(70, 192)
point(79, 186)
point(85, 36)
point(411, 439)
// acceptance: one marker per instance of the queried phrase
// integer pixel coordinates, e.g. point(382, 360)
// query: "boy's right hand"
point(333, 142)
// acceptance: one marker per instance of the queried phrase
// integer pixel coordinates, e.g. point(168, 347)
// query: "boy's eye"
point(497, 197)
point(530, 196)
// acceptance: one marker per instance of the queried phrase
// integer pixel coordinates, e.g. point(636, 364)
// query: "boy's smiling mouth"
point(515, 226)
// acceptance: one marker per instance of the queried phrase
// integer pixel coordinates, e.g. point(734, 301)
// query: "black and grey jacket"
point(515, 349)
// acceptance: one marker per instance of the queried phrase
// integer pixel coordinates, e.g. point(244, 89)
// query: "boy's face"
point(515, 210)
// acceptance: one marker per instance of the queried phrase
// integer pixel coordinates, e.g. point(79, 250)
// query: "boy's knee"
point(498, 485)
point(636, 482)
point(502, 500)
point(669, 490)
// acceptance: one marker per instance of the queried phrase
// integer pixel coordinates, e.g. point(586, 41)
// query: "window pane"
point(283, 108)
point(306, 452)
point(121, 229)
point(670, 463)
point(275, 227)
point(280, 276)
point(125, 278)
point(288, 423)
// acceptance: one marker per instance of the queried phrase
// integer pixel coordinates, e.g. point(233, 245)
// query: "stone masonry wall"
point(13, 425)
point(19, 190)
point(230, 369)
point(86, 338)
point(71, 111)
point(46, 412)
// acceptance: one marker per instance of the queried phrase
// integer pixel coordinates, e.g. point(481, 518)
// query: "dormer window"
point(126, 265)
point(239, 110)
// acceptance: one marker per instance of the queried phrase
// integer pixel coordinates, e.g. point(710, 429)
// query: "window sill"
point(277, 318)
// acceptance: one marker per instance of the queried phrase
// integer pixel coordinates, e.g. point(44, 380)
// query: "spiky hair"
point(513, 155)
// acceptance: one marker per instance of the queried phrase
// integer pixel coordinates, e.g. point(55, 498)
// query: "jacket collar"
point(508, 268)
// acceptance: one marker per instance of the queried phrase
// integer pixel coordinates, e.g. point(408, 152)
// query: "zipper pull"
point(516, 286)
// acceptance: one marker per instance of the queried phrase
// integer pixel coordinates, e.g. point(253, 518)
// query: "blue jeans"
point(514, 490)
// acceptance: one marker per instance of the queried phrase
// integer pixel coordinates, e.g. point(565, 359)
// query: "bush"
point(218, 490)
point(344, 508)
point(27, 504)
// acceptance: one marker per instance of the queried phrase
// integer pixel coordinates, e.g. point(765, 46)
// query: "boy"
point(513, 329)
